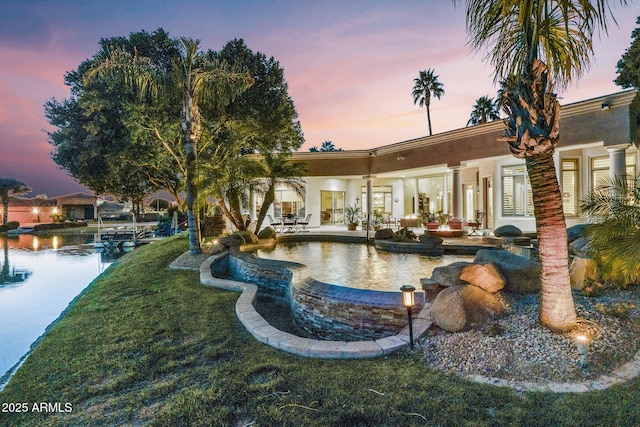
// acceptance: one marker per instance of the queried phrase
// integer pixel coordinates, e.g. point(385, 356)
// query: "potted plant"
point(352, 216)
point(430, 221)
point(377, 221)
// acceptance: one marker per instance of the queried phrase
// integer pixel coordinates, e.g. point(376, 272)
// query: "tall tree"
point(485, 109)
point(628, 67)
point(328, 146)
point(98, 138)
point(10, 187)
point(192, 80)
point(425, 86)
point(534, 45)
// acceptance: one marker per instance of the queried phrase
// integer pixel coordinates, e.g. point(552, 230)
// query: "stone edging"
point(261, 330)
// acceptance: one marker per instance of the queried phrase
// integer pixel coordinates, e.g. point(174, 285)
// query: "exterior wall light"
point(408, 300)
point(605, 106)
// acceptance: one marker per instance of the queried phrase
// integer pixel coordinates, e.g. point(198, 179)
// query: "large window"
point(600, 168)
point(288, 202)
point(517, 199)
point(570, 188)
point(381, 201)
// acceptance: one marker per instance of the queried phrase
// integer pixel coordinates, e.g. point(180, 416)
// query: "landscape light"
point(582, 343)
point(408, 300)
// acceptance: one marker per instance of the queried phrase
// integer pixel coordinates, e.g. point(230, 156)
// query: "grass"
point(146, 345)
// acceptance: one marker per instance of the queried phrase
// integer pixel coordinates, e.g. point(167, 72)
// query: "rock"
point(449, 275)
point(576, 231)
point(507, 231)
point(217, 249)
point(485, 276)
point(267, 233)
point(231, 240)
point(581, 247)
point(583, 271)
point(465, 307)
point(430, 241)
point(431, 289)
point(385, 233)
point(522, 274)
point(247, 236)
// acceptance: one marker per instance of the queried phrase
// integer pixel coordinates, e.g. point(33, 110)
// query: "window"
point(517, 199)
point(570, 186)
point(288, 202)
point(600, 168)
point(381, 200)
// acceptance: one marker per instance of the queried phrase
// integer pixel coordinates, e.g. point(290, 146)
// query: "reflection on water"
point(41, 275)
point(360, 266)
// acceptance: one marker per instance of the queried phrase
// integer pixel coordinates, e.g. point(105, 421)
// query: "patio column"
point(369, 179)
point(617, 161)
point(416, 198)
point(457, 191)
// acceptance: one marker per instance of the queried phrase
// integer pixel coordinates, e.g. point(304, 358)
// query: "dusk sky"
point(350, 65)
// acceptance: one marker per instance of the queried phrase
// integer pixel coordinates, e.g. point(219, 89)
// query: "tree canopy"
point(10, 187)
point(628, 67)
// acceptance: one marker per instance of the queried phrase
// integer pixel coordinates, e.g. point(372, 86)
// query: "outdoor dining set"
point(289, 223)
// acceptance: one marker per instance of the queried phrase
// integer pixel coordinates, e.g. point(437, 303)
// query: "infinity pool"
point(360, 266)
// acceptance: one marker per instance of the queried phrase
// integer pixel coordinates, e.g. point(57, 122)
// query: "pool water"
point(360, 266)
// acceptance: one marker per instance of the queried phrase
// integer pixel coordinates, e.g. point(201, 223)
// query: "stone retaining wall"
point(327, 311)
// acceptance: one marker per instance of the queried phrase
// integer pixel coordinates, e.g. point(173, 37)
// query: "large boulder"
point(576, 231)
point(430, 241)
point(507, 231)
point(522, 274)
point(485, 276)
point(267, 233)
point(384, 234)
point(460, 308)
point(231, 240)
point(247, 236)
point(583, 271)
point(449, 275)
point(581, 247)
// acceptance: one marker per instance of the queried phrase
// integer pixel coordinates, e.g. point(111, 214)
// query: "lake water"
point(40, 276)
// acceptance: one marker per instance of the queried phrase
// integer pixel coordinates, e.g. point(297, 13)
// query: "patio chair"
point(304, 223)
point(476, 224)
point(274, 224)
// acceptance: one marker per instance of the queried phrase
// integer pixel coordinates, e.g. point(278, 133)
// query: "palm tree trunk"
point(5, 211)
point(429, 120)
point(269, 197)
point(192, 194)
point(558, 311)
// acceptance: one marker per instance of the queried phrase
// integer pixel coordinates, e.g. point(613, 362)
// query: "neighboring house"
point(73, 207)
point(110, 209)
point(464, 170)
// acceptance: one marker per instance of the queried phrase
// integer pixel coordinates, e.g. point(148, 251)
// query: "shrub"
point(614, 208)
point(11, 225)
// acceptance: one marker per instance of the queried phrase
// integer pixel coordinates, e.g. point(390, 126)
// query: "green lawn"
point(149, 345)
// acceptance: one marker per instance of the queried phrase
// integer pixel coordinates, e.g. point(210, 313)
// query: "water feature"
point(39, 277)
point(359, 266)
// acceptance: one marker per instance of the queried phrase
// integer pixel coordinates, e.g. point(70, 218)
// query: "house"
point(464, 170)
point(75, 206)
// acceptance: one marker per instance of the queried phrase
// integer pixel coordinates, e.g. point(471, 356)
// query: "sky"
point(349, 65)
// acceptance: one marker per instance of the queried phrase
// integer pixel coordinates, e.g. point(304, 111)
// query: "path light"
point(582, 343)
point(408, 300)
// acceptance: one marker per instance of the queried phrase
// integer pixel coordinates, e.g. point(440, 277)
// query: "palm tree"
point(192, 80)
point(328, 146)
point(278, 172)
point(534, 45)
point(614, 207)
point(10, 187)
point(426, 85)
point(486, 109)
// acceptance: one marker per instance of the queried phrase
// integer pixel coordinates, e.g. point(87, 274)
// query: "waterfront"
point(40, 277)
